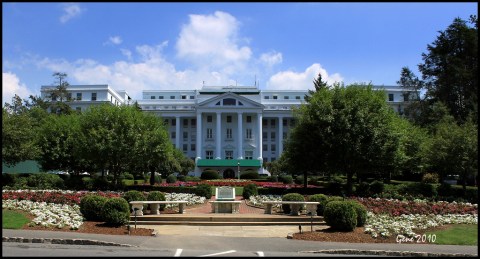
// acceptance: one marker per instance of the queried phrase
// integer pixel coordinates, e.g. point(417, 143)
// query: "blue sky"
point(146, 46)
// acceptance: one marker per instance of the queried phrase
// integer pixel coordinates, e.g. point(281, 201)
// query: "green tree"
point(318, 84)
point(59, 95)
point(450, 69)
point(454, 149)
point(344, 129)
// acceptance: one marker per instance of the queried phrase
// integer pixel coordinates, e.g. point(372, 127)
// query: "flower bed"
point(236, 183)
point(53, 196)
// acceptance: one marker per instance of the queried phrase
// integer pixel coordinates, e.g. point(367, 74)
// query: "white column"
point(178, 134)
point(240, 136)
point(280, 136)
point(218, 134)
point(199, 135)
point(259, 137)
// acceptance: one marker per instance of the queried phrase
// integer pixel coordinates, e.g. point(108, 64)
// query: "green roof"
point(228, 163)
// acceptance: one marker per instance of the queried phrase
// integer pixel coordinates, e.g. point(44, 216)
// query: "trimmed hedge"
point(133, 196)
point(361, 212)
point(204, 190)
point(91, 206)
point(210, 175)
point(340, 215)
point(250, 190)
point(322, 198)
point(291, 197)
point(157, 196)
point(116, 211)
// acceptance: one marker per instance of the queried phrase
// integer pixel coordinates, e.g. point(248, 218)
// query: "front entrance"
point(228, 173)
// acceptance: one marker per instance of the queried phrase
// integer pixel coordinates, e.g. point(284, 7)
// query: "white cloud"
point(271, 58)
point(301, 81)
point(11, 85)
point(127, 53)
point(70, 11)
point(115, 40)
point(211, 40)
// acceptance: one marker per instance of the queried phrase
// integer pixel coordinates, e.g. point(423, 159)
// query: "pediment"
point(230, 100)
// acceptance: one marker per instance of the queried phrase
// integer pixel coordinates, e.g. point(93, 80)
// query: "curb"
point(61, 241)
point(388, 253)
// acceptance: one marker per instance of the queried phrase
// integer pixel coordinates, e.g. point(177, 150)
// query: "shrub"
point(361, 212)
point(101, 183)
point(250, 190)
point(272, 178)
point(340, 215)
point(181, 177)
point(430, 178)
point(377, 187)
point(44, 181)
point(444, 190)
point(291, 197)
point(363, 189)
point(8, 179)
point(249, 175)
point(335, 186)
point(324, 203)
point(285, 179)
point(322, 198)
point(91, 207)
point(192, 179)
point(210, 175)
point(171, 178)
point(128, 176)
point(204, 190)
point(133, 195)
point(116, 211)
point(157, 196)
point(299, 179)
point(88, 182)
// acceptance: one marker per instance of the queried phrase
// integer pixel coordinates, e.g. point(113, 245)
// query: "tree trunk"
point(349, 183)
point(305, 180)
point(152, 175)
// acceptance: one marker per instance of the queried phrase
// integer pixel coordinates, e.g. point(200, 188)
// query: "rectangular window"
point(209, 118)
point(284, 122)
point(249, 154)
point(79, 96)
point(273, 148)
point(185, 122)
point(193, 136)
point(265, 122)
point(209, 133)
point(192, 97)
point(160, 97)
point(152, 97)
point(94, 96)
point(266, 97)
point(173, 134)
point(209, 154)
point(164, 121)
point(273, 123)
point(292, 123)
point(174, 122)
point(275, 97)
point(193, 122)
point(229, 119)
point(249, 134)
point(390, 97)
point(185, 135)
point(69, 96)
point(272, 135)
point(185, 147)
point(172, 97)
point(192, 147)
point(297, 97)
point(264, 136)
point(284, 135)
point(229, 133)
point(228, 154)
point(249, 119)
point(286, 97)
point(184, 97)
point(265, 147)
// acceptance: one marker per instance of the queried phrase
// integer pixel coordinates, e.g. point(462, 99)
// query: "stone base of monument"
point(225, 206)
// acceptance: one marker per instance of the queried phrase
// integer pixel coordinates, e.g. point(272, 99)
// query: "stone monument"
point(225, 200)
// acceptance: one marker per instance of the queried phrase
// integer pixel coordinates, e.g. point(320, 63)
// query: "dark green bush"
point(299, 179)
point(444, 190)
point(377, 187)
point(361, 212)
point(171, 178)
point(8, 179)
point(192, 179)
point(363, 189)
point(128, 176)
point(204, 190)
point(133, 195)
point(291, 197)
point(249, 175)
point(322, 198)
point(335, 186)
point(44, 181)
point(181, 177)
point(272, 178)
point(157, 196)
point(91, 207)
point(210, 175)
point(101, 183)
point(250, 190)
point(340, 215)
point(116, 211)
point(88, 182)
point(285, 179)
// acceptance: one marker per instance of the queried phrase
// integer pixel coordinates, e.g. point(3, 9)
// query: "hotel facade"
point(230, 129)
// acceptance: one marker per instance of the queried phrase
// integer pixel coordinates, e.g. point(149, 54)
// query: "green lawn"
point(456, 235)
point(13, 220)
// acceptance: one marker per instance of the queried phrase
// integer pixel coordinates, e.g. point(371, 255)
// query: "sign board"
point(225, 193)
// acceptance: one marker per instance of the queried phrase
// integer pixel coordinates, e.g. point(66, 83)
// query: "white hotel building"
point(227, 129)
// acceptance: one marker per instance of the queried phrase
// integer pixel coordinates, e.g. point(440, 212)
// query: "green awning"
point(228, 163)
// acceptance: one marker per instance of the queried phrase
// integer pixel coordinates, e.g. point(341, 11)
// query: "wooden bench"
point(294, 206)
point(155, 206)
